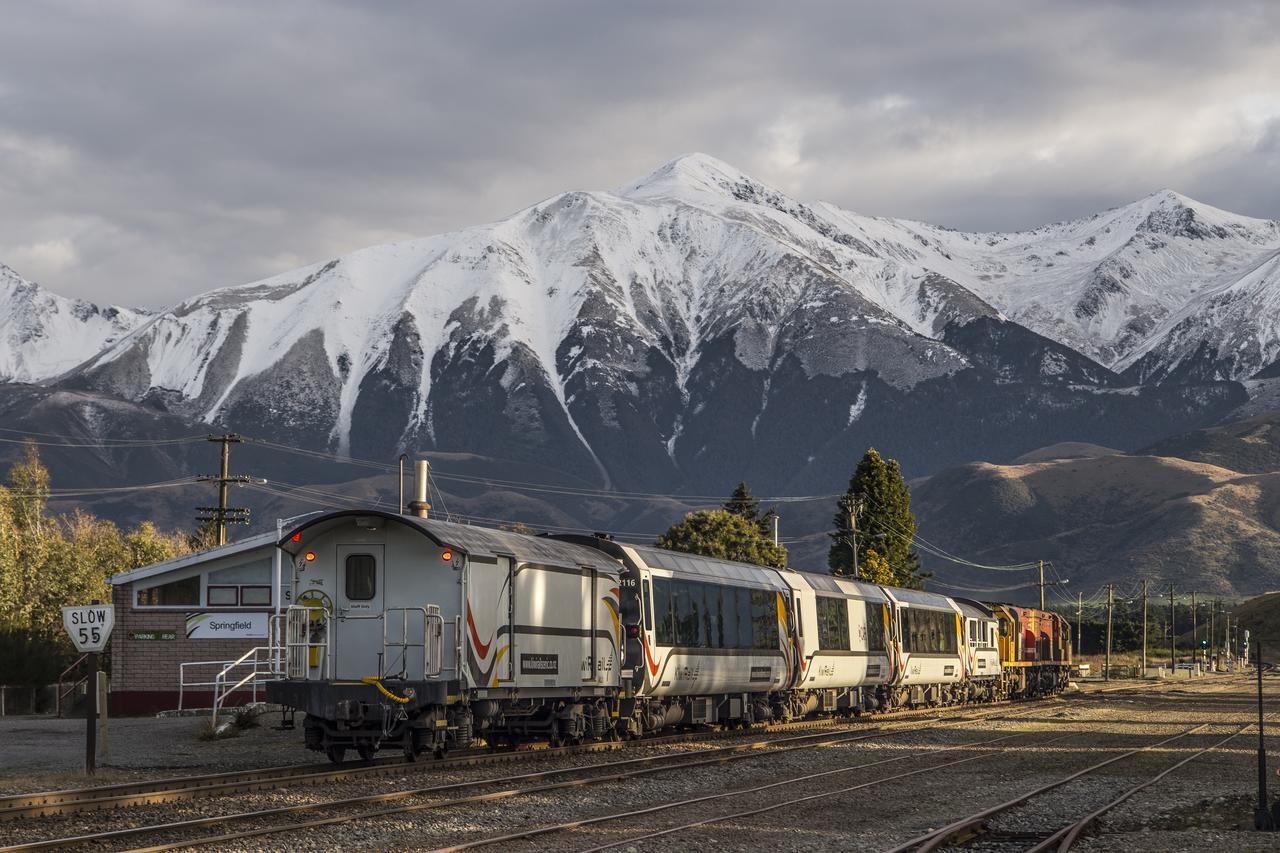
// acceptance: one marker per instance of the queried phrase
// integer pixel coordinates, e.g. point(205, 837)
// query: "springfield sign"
point(226, 626)
point(89, 626)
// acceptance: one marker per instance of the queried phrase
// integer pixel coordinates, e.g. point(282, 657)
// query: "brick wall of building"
point(145, 674)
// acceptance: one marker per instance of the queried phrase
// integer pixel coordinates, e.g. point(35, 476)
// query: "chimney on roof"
point(421, 478)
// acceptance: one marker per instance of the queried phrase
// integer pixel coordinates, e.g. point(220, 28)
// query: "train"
point(411, 632)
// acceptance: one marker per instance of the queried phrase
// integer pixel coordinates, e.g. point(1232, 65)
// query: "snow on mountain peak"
point(43, 334)
point(693, 173)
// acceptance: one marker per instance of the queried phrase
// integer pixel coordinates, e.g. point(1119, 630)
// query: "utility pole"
point(1262, 814)
point(1173, 638)
point(1042, 584)
point(853, 532)
point(1111, 596)
point(1226, 645)
point(1079, 620)
point(222, 515)
point(1213, 637)
point(1144, 627)
point(775, 530)
point(1194, 630)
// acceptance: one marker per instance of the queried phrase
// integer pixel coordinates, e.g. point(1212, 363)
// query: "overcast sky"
point(152, 150)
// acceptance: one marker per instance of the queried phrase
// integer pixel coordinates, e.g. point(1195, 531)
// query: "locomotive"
point(412, 632)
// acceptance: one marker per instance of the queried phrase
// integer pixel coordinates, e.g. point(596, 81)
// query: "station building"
point(180, 621)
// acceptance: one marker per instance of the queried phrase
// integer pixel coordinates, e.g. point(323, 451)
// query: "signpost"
point(90, 628)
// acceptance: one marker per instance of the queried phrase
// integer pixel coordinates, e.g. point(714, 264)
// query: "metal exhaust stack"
point(421, 478)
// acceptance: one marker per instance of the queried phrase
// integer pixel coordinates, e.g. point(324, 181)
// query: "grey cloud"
point(151, 150)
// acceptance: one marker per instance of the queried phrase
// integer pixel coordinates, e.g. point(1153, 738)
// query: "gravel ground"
point(1199, 807)
point(44, 753)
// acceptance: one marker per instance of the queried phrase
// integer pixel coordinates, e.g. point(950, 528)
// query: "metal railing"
point(260, 663)
point(61, 695)
point(307, 629)
point(404, 644)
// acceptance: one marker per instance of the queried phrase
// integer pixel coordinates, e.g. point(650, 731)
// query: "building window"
point(185, 592)
point(361, 577)
point(255, 596)
point(223, 596)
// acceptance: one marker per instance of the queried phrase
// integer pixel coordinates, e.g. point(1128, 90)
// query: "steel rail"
point(175, 789)
point(674, 762)
point(931, 841)
point(543, 830)
point(1066, 837)
point(236, 782)
point(112, 835)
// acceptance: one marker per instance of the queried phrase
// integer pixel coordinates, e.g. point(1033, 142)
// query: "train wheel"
point(335, 752)
point(366, 749)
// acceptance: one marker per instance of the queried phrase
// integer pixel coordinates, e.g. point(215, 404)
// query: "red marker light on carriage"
point(633, 631)
point(297, 537)
point(446, 555)
point(311, 556)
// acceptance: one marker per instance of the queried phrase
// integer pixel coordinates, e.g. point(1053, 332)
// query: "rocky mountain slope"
point(694, 327)
point(687, 331)
point(43, 335)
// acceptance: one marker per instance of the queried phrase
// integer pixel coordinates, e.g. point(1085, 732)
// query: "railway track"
point(973, 827)
point(503, 787)
point(175, 789)
point(179, 788)
point(981, 745)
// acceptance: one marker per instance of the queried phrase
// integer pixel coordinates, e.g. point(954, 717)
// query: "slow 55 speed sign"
point(89, 627)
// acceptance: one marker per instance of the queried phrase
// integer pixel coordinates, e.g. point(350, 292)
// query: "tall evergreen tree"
point(744, 504)
point(723, 534)
point(880, 503)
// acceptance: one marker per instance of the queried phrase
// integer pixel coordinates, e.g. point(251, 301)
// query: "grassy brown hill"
point(1250, 446)
point(1107, 518)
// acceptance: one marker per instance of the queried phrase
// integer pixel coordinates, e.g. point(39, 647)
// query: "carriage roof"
point(466, 539)
point(709, 569)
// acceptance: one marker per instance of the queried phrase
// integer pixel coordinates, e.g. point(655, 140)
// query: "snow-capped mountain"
point(695, 322)
point(1164, 287)
point(43, 335)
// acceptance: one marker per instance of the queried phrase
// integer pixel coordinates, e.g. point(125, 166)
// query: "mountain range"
point(691, 329)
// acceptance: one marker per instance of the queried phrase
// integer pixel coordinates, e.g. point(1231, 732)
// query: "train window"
point(686, 614)
point(710, 615)
point(833, 623)
point(361, 577)
point(929, 631)
point(664, 620)
point(875, 627)
point(728, 617)
point(764, 618)
point(176, 593)
point(742, 596)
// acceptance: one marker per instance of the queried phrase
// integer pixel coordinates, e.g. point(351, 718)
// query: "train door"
point(593, 606)
point(489, 620)
point(358, 604)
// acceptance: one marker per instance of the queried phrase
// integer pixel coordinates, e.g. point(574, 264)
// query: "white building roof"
point(263, 541)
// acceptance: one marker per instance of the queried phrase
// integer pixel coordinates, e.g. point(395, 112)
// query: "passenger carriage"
point(981, 650)
point(929, 666)
point(846, 643)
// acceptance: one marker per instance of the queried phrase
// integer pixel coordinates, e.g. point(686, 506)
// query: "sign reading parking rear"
point(89, 627)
